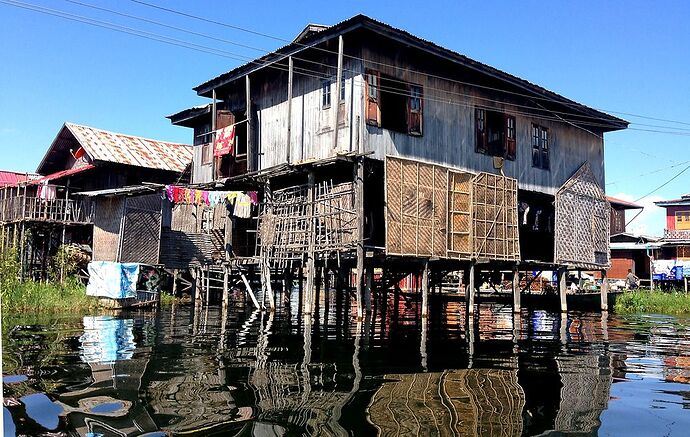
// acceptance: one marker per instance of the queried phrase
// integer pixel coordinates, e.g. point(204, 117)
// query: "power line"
point(243, 29)
point(663, 185)
point(235, 56)
point(649, 173)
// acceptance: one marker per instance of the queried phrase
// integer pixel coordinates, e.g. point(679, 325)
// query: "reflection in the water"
point(226, 370)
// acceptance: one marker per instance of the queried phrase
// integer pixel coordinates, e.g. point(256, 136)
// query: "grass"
point(655, 301)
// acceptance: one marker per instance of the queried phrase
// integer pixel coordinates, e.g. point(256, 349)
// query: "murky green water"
point(187, 372)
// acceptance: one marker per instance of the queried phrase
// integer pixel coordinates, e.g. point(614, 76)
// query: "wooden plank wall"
point(141, 230)
point(449, 129)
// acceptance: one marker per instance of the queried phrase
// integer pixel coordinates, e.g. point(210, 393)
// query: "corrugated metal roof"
point(106, 146)
point(8, 177)
point(624, 203)
point(61, 174)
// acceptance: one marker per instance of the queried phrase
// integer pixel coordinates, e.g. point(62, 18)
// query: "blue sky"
point(628, 57)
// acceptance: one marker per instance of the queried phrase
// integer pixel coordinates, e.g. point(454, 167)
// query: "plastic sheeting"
point(112, 280)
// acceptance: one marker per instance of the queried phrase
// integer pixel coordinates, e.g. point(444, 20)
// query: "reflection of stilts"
point(422, 344)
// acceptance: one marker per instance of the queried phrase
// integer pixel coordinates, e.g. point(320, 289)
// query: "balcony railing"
point(675, 234)
point(68, 211)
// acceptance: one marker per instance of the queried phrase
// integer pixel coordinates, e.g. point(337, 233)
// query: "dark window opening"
point(394, 104)
point(540, 147)
point(495, 133)
point(325, 94)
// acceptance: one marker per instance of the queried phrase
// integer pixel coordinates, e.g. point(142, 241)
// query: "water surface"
point(203, 371)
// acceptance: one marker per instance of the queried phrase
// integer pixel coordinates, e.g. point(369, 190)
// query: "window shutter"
point(373, 110)
point(509, 136)
point(224, 119)
point(415, 103)
point(480, 129)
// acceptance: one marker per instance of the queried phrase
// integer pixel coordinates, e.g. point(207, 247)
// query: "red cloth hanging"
point(225, 141)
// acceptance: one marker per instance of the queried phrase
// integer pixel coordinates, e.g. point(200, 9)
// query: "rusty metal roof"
point(12, 178)
point(106, 146)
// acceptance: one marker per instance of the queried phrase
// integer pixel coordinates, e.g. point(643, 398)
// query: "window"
point(206, 154)
point(325, 94)
point(394, 104)
point(683, 220)
point(495, 133)
point(540, 147)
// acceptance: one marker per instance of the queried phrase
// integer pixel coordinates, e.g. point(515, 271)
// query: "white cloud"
point(651, 221)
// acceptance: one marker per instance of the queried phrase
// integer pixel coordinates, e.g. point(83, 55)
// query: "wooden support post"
point(359, 208)
point(317, 292)
point(368, 280)
point(563, 288)
point(604, 291)
point(516, 290)
point(249, 291)
point(208, 285)
point(425, 289)
point(326, 295)
point(311, 270)
point(335, 107)
point(250, 127)
point(269, 287)
point(471, 288)
point(226, 288)
point(198, 284)
point(300, 290)
point(289, 109)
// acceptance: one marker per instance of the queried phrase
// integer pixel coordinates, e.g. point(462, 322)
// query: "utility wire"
point(648, 173)
point(281, 67)
point(663, 185)
point(235, 27)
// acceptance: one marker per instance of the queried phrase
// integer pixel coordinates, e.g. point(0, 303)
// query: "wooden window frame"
point(684, 223)
point(481, 145)
point(510, 137)
point(508, 140)
point(206, 154)
point(326, 93)
point(372, 108)
point(541, 147)
point(415, 113)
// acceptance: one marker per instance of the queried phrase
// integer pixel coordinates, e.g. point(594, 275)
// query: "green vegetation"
point(53, 296)
point(655, 301)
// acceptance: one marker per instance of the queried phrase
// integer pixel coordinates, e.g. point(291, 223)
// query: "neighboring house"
point(373, 139)
point(673, 263)
point(40, 214)
point(628, 251)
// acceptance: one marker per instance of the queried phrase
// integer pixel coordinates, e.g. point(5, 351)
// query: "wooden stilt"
point(563, 288)
point(208, 285)
point(311, 271)
point(317, 292)
point(369, 276)
point(327, 295)
point(425, 289)
point(471, 289)
point(516, 290)
point(226, 288)
point(359, 208)
point(604, 291)
point(249, 291)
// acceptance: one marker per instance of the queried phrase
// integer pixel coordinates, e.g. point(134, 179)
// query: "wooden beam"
point(425, 289)
point(335, 107)
point(249, 291)
point(359, 210)
point(563, 288)
point(250, 127)
point(604, 291)
point(289, 110)
point(516, 290)
point(311, 271)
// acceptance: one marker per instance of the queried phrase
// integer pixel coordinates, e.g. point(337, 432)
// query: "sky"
point(628, 58)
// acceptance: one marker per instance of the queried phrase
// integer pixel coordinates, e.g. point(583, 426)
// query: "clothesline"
point(242, 201)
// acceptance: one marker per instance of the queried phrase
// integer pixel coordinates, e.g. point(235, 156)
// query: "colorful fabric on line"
point(224, 143)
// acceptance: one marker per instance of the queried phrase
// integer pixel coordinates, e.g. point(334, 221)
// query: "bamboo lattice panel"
point(582, 222)
point(416, 208)
point(494, 218)
point(459, 215)
point(140, 240)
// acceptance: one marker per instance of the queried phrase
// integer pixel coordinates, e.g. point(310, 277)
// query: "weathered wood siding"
point(106, 228)
point(449, 130)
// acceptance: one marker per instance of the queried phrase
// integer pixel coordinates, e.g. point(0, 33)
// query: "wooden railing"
point(58, 210)
point(675, 234)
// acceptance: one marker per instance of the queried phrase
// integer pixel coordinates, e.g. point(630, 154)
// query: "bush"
point(654, 301)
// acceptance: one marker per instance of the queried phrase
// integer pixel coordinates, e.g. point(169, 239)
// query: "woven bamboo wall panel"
point(459, 201)
point(494, 218)
point(416, 208)
point(582, 222)
point(140, 240)
point(106, 228)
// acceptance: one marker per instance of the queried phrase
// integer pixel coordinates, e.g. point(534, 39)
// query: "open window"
point(495, 133)
point(394, 104)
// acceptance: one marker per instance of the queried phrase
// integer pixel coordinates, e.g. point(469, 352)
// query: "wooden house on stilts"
point(372, 149)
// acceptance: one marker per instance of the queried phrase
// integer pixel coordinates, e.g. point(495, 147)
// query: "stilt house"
point(374, 148)
point(39, 214)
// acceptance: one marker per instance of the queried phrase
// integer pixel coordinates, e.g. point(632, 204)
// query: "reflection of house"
point(46, 211)
point(110, 404)
point(456, 402)
point(586, 384)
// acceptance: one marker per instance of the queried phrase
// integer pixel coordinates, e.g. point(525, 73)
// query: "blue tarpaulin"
point(113, 280)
